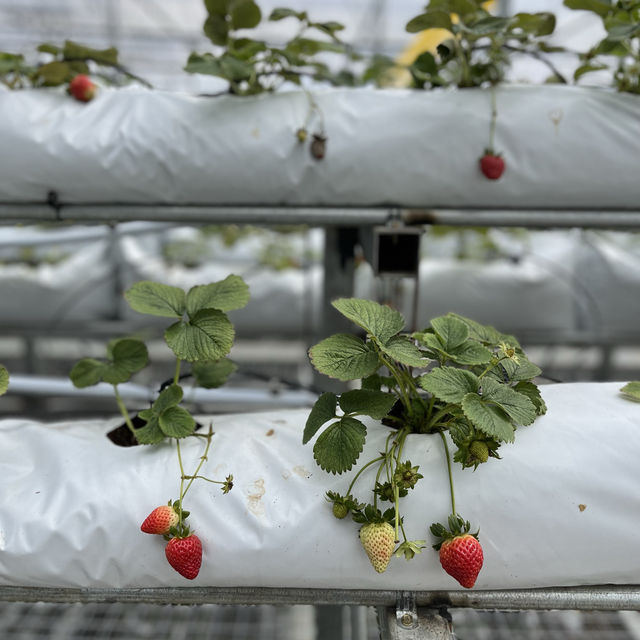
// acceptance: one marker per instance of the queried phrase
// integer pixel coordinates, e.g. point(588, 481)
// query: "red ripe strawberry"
point(492, 164)
point(160, 520)
point(460, 552)
point(185, 555)
point(81, 88)
point(461, 557)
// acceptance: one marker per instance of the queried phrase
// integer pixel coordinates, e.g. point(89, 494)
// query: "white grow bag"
point(565, 147)
point(560, 509)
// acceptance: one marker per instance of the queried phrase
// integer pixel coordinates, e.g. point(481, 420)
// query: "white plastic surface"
point(73, 503)
point(564, 147)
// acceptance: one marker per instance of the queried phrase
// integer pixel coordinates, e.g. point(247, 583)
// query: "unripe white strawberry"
point(379, 541)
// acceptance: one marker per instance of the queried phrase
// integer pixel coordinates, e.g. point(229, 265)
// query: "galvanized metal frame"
point(342, 216)
point(597, 597)
point(592, 598)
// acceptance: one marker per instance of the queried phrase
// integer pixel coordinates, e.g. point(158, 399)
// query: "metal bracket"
point(407, 622)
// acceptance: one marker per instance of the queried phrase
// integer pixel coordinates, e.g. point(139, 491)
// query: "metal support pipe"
point(591, 598)
point(341, 216)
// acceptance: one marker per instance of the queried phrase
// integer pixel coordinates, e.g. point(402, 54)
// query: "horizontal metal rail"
point(592, 598)
point(618, 218)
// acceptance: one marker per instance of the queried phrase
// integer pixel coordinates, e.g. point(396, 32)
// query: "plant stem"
point(204, 478)
point(398, 378)
point(176, 375)
point(123, 410)
point(446, 450)
point(203, 458)
point(361, 470)
point(494, 117)
point(438, 415)
point(396, 489)
point(383, 465)
point(492, 365)
point(181, 484)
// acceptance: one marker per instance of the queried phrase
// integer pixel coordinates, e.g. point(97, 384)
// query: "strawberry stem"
point(182, 492)
point(446, 450)
point(195, 475)
point(176, 375)
point(361, 470)
point(494, 116)
point(123, 410)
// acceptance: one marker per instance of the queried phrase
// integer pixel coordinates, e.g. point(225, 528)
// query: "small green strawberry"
point(479, 450)
point(342, 505)
point(379, 541)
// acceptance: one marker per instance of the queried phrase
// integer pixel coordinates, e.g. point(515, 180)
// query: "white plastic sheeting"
point(564, 147)
point(559, 509)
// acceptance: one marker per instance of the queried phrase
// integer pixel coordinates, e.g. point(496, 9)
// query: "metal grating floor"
point(117, 621)
point(545, 625)
point(216, 622)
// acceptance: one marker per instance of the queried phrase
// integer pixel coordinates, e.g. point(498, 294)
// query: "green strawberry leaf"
point(345, 357)
point(156, 299)
point(151, 433)
point(4, 380)
point(323, 410)
point(532, 392)
point(211, 375)
point(487, 417)
point(517, 371)
point(470, 353)
point(518, 406)
point(339, 446)
point(245, 14)
point(375, 404)
point(169, 397)
point(208, 335)
point(451, 331)
point(449, 384)
point(225, 295)
point(402, 349)
point(482, 333)
point(379, 321)
point(86, 373)
point(128, 356)
point(632, 390)
point(176, 422)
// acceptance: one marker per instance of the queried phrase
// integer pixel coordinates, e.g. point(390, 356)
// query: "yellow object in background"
point(427, 40)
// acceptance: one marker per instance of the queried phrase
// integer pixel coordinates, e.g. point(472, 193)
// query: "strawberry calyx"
point(372, 515)
point(457, 527)
point(490, 152)
point(409, 548)
point(181, 529)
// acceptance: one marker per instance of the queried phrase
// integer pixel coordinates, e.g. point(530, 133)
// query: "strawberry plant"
point(4, 380)
point(631, 391)
point(251, 65)
point(200, 335)
point(621, 21)
point(458, 380)
point(62, 64)
point(480, 45)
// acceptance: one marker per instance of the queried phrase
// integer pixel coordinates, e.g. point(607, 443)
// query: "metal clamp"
point(407, 622)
